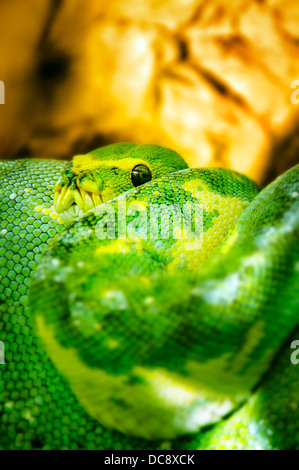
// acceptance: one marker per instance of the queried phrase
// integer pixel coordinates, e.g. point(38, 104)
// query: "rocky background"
point(211, 79)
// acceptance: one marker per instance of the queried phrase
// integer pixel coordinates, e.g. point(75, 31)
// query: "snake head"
point(99, 176)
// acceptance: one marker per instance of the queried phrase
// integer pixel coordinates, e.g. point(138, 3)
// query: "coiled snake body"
point(163, 318)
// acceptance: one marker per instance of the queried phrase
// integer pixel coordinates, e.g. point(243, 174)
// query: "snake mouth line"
point(71, 203)
point(69, 215)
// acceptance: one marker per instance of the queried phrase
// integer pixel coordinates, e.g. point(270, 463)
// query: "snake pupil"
point(140, 174)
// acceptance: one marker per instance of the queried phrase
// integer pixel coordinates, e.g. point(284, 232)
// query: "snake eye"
point(140, 174)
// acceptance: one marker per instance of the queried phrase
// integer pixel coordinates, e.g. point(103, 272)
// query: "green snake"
point(147, 305)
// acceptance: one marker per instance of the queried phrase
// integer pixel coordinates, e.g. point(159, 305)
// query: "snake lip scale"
point(76, 203)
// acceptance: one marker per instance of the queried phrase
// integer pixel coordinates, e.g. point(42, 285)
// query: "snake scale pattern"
point(120, 334)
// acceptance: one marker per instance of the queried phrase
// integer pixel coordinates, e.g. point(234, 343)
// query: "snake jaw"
point(72, 201)
point(75, 193)
point(69, 215)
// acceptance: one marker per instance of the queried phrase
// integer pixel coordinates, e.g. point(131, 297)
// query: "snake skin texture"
point(173, 347)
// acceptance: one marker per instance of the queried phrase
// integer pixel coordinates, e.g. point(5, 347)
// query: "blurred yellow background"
point(210, 79)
